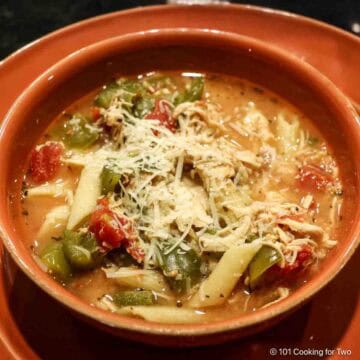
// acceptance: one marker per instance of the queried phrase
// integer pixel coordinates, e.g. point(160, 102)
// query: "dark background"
point(22, 21)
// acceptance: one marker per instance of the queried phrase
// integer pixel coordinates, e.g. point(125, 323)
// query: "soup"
point(181, 198)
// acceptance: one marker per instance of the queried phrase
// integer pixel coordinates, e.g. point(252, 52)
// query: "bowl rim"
point(130, 42)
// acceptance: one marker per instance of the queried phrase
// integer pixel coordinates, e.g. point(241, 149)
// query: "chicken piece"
point(248, 157)
point(287, 134)
point(254, 124)
point(224, 239)
point(213, 175)
point(182, 202)
point(206, 112)
point(301, 227)
point(187, 210)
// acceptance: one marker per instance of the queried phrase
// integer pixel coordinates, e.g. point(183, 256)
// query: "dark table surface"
point(22, 21)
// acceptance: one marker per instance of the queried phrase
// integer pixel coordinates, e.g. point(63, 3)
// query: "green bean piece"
point(109, 180)
point(161, 81)
point(105, 96)
point(121, 258)
point(81, 250)
point(54, 258)
point(251, 238)
point(133, 298)
point(193, 93)
point(143, 105)
point(133, 92)
point(136, 93)
point(181, 268)
point(77, 132)
point(266, 257)
point(131, 86)
point(211, 231)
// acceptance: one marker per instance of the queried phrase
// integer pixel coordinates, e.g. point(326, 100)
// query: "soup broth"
point(181, 197)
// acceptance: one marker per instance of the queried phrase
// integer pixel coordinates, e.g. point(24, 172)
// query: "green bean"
point(211, 231)
point(262, 261)
point(81, 249)
point(54, 258)
point(143, 105)
point(132, 92)
point(193, 93)
point(181, 268)
point(161, 81)
point(76, 132)
point(105, 96)
point(251, 238)
point(133, 298)
point(121, 258)
point(109, 180)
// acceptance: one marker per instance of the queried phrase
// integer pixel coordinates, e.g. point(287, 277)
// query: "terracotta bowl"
point(190, 50)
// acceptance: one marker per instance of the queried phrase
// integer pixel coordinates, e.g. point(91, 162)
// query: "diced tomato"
point(162, 112)
point(113, 231)
point(313, 178)
point(302, 259)
point(45, 162)
point(108, 227)
point(135, 251)
point(95, 113)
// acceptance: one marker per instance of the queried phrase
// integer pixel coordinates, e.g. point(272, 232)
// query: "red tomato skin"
point(45, 162)
point(290, 270)
point(312, 178)
point(107, 226)
point(113, 231)
point(135, 251)
point(95, 113)
point(162, 112)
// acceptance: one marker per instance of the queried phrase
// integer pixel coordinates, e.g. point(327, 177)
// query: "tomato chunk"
point(45, 162)
point(162, 112)
point(95, 113)
point(313, 178)
point(302, 259)
point(108, 228)
point(113, 231)
point(135, 251)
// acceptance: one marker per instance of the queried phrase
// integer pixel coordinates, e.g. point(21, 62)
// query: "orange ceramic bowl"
point(190, 50)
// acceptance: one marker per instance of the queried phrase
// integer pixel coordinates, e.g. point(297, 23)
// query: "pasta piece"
point(55, 222)
point(135, 278)
point(56, 190)
point(86, 195)
point(219, 285)
point(164, 314)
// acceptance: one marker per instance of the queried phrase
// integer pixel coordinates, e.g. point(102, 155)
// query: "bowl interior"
point(181, 50)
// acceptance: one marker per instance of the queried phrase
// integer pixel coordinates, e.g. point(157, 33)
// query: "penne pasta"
point(221, 282)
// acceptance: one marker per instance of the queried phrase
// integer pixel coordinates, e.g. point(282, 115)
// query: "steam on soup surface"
point(181, 198)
